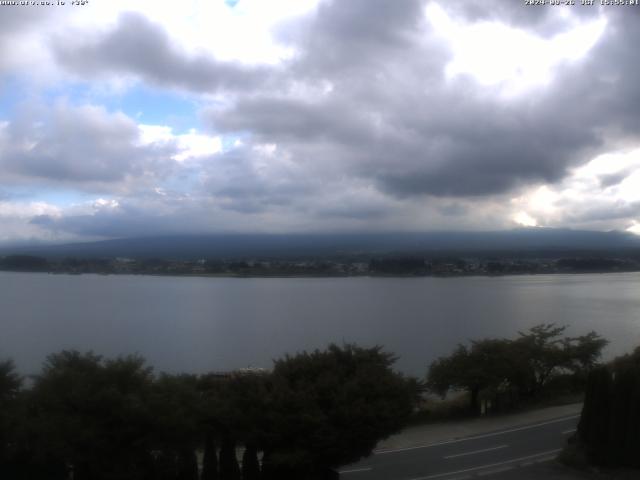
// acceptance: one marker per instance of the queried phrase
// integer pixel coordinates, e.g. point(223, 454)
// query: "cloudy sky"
point(127, 118)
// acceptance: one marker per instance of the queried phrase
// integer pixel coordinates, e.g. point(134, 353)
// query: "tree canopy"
point(609, 427)
point(523, 365)
point(114, 419)
point(331, 407)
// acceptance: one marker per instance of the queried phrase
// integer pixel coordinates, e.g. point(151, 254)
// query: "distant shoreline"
point(318, 267)
point(318, 276)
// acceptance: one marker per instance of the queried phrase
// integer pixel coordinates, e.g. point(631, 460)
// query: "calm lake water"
point(199, 324)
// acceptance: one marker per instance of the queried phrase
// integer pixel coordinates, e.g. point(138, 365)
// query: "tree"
point(522, 366)
point(10, 386)
point(593, 427)
point(488, 364)
point(229, 468)
point(210, 459)
point(542, 346)
point(93, 415)
point(234, 413)
point(329, 408)
point(546, 353)
point(609, 427)
point(250, 464)
point(10, 381)
point(176, 406)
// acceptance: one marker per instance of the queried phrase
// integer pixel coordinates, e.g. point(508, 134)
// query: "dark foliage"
point(609, 428)
point(250, 464)
point(520, 368)
point(398, 266)
point(26, 263)
point(329, 408)
point(210, 459)
point(101, 419)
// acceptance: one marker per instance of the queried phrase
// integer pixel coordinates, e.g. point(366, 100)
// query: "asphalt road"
point(480, 455)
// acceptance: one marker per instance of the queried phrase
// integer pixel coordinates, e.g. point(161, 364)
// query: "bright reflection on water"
point(198, 324)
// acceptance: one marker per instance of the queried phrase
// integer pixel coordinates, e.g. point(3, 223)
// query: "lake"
point(196, 324)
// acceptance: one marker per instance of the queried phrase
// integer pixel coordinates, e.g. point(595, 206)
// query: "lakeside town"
point(383, 266)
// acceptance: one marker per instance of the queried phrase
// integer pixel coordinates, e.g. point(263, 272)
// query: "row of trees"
point(90, 418)
point(507, 370)
point(609, 428)
point(86, 417)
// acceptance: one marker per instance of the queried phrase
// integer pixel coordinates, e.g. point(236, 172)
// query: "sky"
point(134, 118)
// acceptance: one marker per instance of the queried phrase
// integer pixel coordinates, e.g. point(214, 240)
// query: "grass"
point(456, 407)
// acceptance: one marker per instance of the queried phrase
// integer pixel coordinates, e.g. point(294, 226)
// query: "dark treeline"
point(609, 428)
point(90, 418)
point(500, 373)
point(387, 265)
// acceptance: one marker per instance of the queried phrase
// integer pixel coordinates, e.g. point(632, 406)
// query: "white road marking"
point(355, 470)
point(476, 451)
point(495, 470)
point(438, 475)
point(567, 432)
point(486, 435)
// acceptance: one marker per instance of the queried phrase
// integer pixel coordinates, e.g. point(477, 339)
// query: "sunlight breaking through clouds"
point(189, 145)
point(603, 192)
point(496, 54)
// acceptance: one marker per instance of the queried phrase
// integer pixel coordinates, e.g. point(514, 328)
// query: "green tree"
point(235, 414)
point(609, 427)
point(92, 415)
point(177, 408)
point(522, 366)
point(487, 365)
point(593, 427)
point(329, 408)
point(229, 468)
point(10, 387)
point(547, 353)
point(210, 458)
point(250, 464)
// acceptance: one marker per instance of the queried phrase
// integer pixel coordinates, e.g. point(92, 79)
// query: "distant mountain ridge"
point(526, 241)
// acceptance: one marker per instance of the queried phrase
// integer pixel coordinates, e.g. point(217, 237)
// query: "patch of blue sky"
point(231, 3)
point(142, 104)
point(12, 93)
point(62, 198)
point(154, 107)
point(53, 196)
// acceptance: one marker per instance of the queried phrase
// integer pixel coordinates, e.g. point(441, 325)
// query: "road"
point(480, 455)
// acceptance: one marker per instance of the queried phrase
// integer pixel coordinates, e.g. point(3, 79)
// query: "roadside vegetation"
point(92, 418)
point(496, 375)
point(608, 434)
point(87, 417)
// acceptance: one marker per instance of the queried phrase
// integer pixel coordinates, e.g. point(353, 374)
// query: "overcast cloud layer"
point(367, 115)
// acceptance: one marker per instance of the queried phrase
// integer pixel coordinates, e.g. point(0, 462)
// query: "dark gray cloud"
point(15, 23)
point(340, 37)
point(239, 183)
point(601, 211)
point(79, 145)
point(125, 221)
point(138, 47)
point(545, 20)
point(610, 179)
point(390, 116)
point(417, 141)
